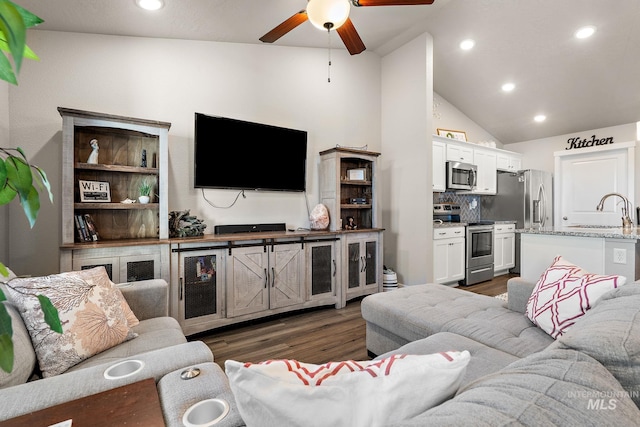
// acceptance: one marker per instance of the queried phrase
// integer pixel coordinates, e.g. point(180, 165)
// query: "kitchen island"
point(597, 249)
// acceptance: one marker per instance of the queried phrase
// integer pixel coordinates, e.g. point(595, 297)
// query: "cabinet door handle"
point(266, 278)
point(361, 264)
point(180, 290)
point(335, 268)
point(273, 277)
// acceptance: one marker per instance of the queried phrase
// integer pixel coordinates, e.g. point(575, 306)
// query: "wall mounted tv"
point(241, 155)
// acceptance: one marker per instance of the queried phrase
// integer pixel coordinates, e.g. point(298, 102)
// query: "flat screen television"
point(241, 155)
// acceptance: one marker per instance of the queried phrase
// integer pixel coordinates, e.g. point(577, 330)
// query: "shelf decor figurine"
point(93, 157)
point(145, 192)
point(143, 162)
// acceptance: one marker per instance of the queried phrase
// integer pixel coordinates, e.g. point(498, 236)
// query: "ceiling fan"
point(334, 14)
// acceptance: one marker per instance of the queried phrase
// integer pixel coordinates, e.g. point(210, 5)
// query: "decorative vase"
point(143, 199)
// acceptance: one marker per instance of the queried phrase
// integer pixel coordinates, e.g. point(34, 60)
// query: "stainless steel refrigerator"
point(526, 197)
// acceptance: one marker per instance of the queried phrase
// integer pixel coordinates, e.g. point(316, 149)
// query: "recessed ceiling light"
point(150, 4)
point(540, 118)
point(508, 87)
point(467, 44)
point(585, 32)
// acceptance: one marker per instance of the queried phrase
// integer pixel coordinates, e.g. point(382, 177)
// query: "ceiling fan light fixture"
point(328, 14)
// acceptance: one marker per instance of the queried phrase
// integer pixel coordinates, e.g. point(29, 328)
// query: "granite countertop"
point(599, 231)
point(464, 224)
point(449, 224)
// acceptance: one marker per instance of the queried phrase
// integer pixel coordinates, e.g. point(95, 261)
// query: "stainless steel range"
point(479, 254)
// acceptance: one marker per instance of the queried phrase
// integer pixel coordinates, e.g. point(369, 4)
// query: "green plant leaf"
point(27, 53)
point(3, 173)
point(4, 272)
point(45, 182)
point(50, 314)
point(6, 70)
point(6, 341)
point(13, 26)
point(6, 353)
point(31, 205)
point(29, 19)
point(7, 194)
point(19, 174)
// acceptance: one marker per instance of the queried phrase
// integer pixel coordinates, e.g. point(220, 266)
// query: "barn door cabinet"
point(101, 216)
point(269, 276)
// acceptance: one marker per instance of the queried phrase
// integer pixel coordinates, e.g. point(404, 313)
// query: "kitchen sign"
point(584, 143)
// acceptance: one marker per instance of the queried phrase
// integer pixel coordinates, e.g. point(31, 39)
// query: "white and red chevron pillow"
point(370, 393)
point(564, 293)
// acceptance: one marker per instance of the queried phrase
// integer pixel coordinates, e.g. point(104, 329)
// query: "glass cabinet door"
point(200, 285)
point(371, 267)
point(321, 269)
point(354, 267)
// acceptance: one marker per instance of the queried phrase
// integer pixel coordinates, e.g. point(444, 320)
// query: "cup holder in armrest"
point(205, 413)
point(123, 369)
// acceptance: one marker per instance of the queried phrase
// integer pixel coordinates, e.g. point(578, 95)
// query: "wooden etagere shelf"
point(132, 238)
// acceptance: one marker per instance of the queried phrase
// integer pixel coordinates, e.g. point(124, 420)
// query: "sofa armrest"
point(147, 298)
point(519, 291)
point(35, 395)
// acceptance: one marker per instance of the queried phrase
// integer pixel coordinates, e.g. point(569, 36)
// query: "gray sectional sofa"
point(160, 344)
point(517, 375)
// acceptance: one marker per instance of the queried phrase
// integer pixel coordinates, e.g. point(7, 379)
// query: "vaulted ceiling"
point(578, 84)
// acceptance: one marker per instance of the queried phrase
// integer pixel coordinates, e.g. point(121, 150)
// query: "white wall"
point(407, 101)
point(169, 80)
point(538, 153)
point(447, 116)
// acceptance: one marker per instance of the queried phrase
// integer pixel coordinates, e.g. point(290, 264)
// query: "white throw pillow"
point(349, 393)
point(564, 293)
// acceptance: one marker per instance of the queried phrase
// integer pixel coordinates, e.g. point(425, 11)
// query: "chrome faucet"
point(626, 208)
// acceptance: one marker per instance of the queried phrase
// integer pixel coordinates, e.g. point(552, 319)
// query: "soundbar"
point(249, 228)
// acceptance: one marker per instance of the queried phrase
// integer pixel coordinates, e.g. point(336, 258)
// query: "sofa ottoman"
point(411, 313)
point(484, 360)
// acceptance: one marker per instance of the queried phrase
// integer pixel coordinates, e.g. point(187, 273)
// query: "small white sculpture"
point(319, 217)
point(93, 157)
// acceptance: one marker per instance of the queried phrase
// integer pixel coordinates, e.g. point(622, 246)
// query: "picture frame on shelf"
point(94, 191)
point(458, 135)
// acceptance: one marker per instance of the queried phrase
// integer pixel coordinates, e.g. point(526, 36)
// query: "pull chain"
point(328, 26)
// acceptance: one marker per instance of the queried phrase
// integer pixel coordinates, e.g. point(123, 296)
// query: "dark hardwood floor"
point(313, 336)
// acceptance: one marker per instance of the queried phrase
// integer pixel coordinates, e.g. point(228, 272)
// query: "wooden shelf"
point(117, 168)
point(354, 182)
point(355, 206)
point(112, 206)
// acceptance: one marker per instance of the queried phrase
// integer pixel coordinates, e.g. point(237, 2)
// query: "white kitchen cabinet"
point(449, 254)
point(504, 237)
point(485, 160)
point(508, 161)
point(439, 166)
point(459, 153)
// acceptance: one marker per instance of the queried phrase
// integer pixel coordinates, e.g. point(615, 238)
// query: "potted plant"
point(16, 177)
point(145, 191)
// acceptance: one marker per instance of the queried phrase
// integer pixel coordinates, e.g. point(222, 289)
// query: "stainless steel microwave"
point(461, 176)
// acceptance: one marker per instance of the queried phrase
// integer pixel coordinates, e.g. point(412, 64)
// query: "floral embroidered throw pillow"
point(93, 313)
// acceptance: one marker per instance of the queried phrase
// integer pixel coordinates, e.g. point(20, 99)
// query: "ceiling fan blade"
point(359, 3)
point(285, 27)
point(351, 38)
